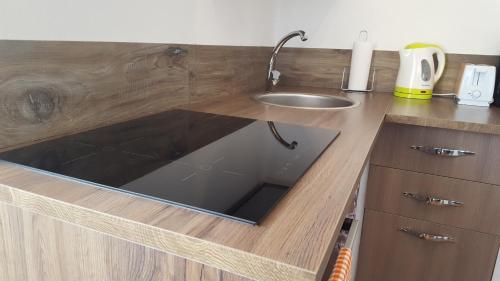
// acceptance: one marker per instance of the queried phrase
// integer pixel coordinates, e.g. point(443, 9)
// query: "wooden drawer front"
point(479, 210)
point(393, 149)
point(388, 254)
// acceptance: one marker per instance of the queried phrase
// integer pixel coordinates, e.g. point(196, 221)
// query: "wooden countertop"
point(444, 113)
point(295, 241)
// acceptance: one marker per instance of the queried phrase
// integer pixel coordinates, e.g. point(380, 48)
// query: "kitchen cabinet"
point(390, 254)
point(456, 202)
point(396, 148)
point(431, 209)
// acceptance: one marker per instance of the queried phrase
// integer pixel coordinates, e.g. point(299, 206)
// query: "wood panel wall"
point(55, 88)
point(35, 247)
point(48, 89)
point(323, 68)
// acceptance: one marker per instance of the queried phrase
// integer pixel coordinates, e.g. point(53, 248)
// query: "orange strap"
point(342, 269)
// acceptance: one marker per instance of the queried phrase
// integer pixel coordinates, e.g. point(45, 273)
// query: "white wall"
point(460, 26)
point(218, 22)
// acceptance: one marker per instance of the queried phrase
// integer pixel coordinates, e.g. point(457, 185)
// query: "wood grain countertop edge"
point(443, 124)
point(192, 248)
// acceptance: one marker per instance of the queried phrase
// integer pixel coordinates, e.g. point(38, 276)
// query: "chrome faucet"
point(273, 75)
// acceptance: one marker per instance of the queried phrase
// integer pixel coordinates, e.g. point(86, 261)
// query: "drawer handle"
point(432, 200)
point(428, 237)
point(442, 151)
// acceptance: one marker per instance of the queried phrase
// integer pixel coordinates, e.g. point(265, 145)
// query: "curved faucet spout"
point(272, 74)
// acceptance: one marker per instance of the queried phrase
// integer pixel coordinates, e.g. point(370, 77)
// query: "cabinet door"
point(390, 254)
point(455, 202)
point(439, 152)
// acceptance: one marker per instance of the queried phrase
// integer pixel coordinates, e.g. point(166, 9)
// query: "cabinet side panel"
point(35, 247)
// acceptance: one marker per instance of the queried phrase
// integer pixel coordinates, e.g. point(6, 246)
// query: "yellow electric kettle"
point(417, 73)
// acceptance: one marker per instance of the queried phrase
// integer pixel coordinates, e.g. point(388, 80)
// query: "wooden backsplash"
point(323, 68)
point(55, 88)
point(48, 89)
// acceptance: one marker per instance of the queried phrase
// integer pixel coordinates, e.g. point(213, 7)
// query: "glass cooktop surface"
point(228, 166)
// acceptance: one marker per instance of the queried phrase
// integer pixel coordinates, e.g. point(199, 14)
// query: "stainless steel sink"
point(306, 101)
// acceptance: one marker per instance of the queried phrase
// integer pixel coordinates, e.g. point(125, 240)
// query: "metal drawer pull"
point(442, 151)
point(432, 200)
point(428, 237)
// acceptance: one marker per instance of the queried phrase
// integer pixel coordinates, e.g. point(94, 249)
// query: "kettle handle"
point(441, 63)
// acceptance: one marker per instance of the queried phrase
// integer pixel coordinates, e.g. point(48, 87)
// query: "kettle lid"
point(422, 46)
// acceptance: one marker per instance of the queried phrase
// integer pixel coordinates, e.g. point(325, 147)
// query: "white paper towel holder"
point(372, 86)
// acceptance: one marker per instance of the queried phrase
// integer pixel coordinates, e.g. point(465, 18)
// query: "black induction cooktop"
point(228, 166)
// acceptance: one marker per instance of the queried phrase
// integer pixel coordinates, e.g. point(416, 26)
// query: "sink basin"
point(306, 101)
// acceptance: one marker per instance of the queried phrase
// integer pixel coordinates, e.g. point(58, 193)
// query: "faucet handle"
point(275, 77)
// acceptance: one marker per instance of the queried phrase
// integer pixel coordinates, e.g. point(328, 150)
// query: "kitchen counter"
point(295, 241)
point(446, 114)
